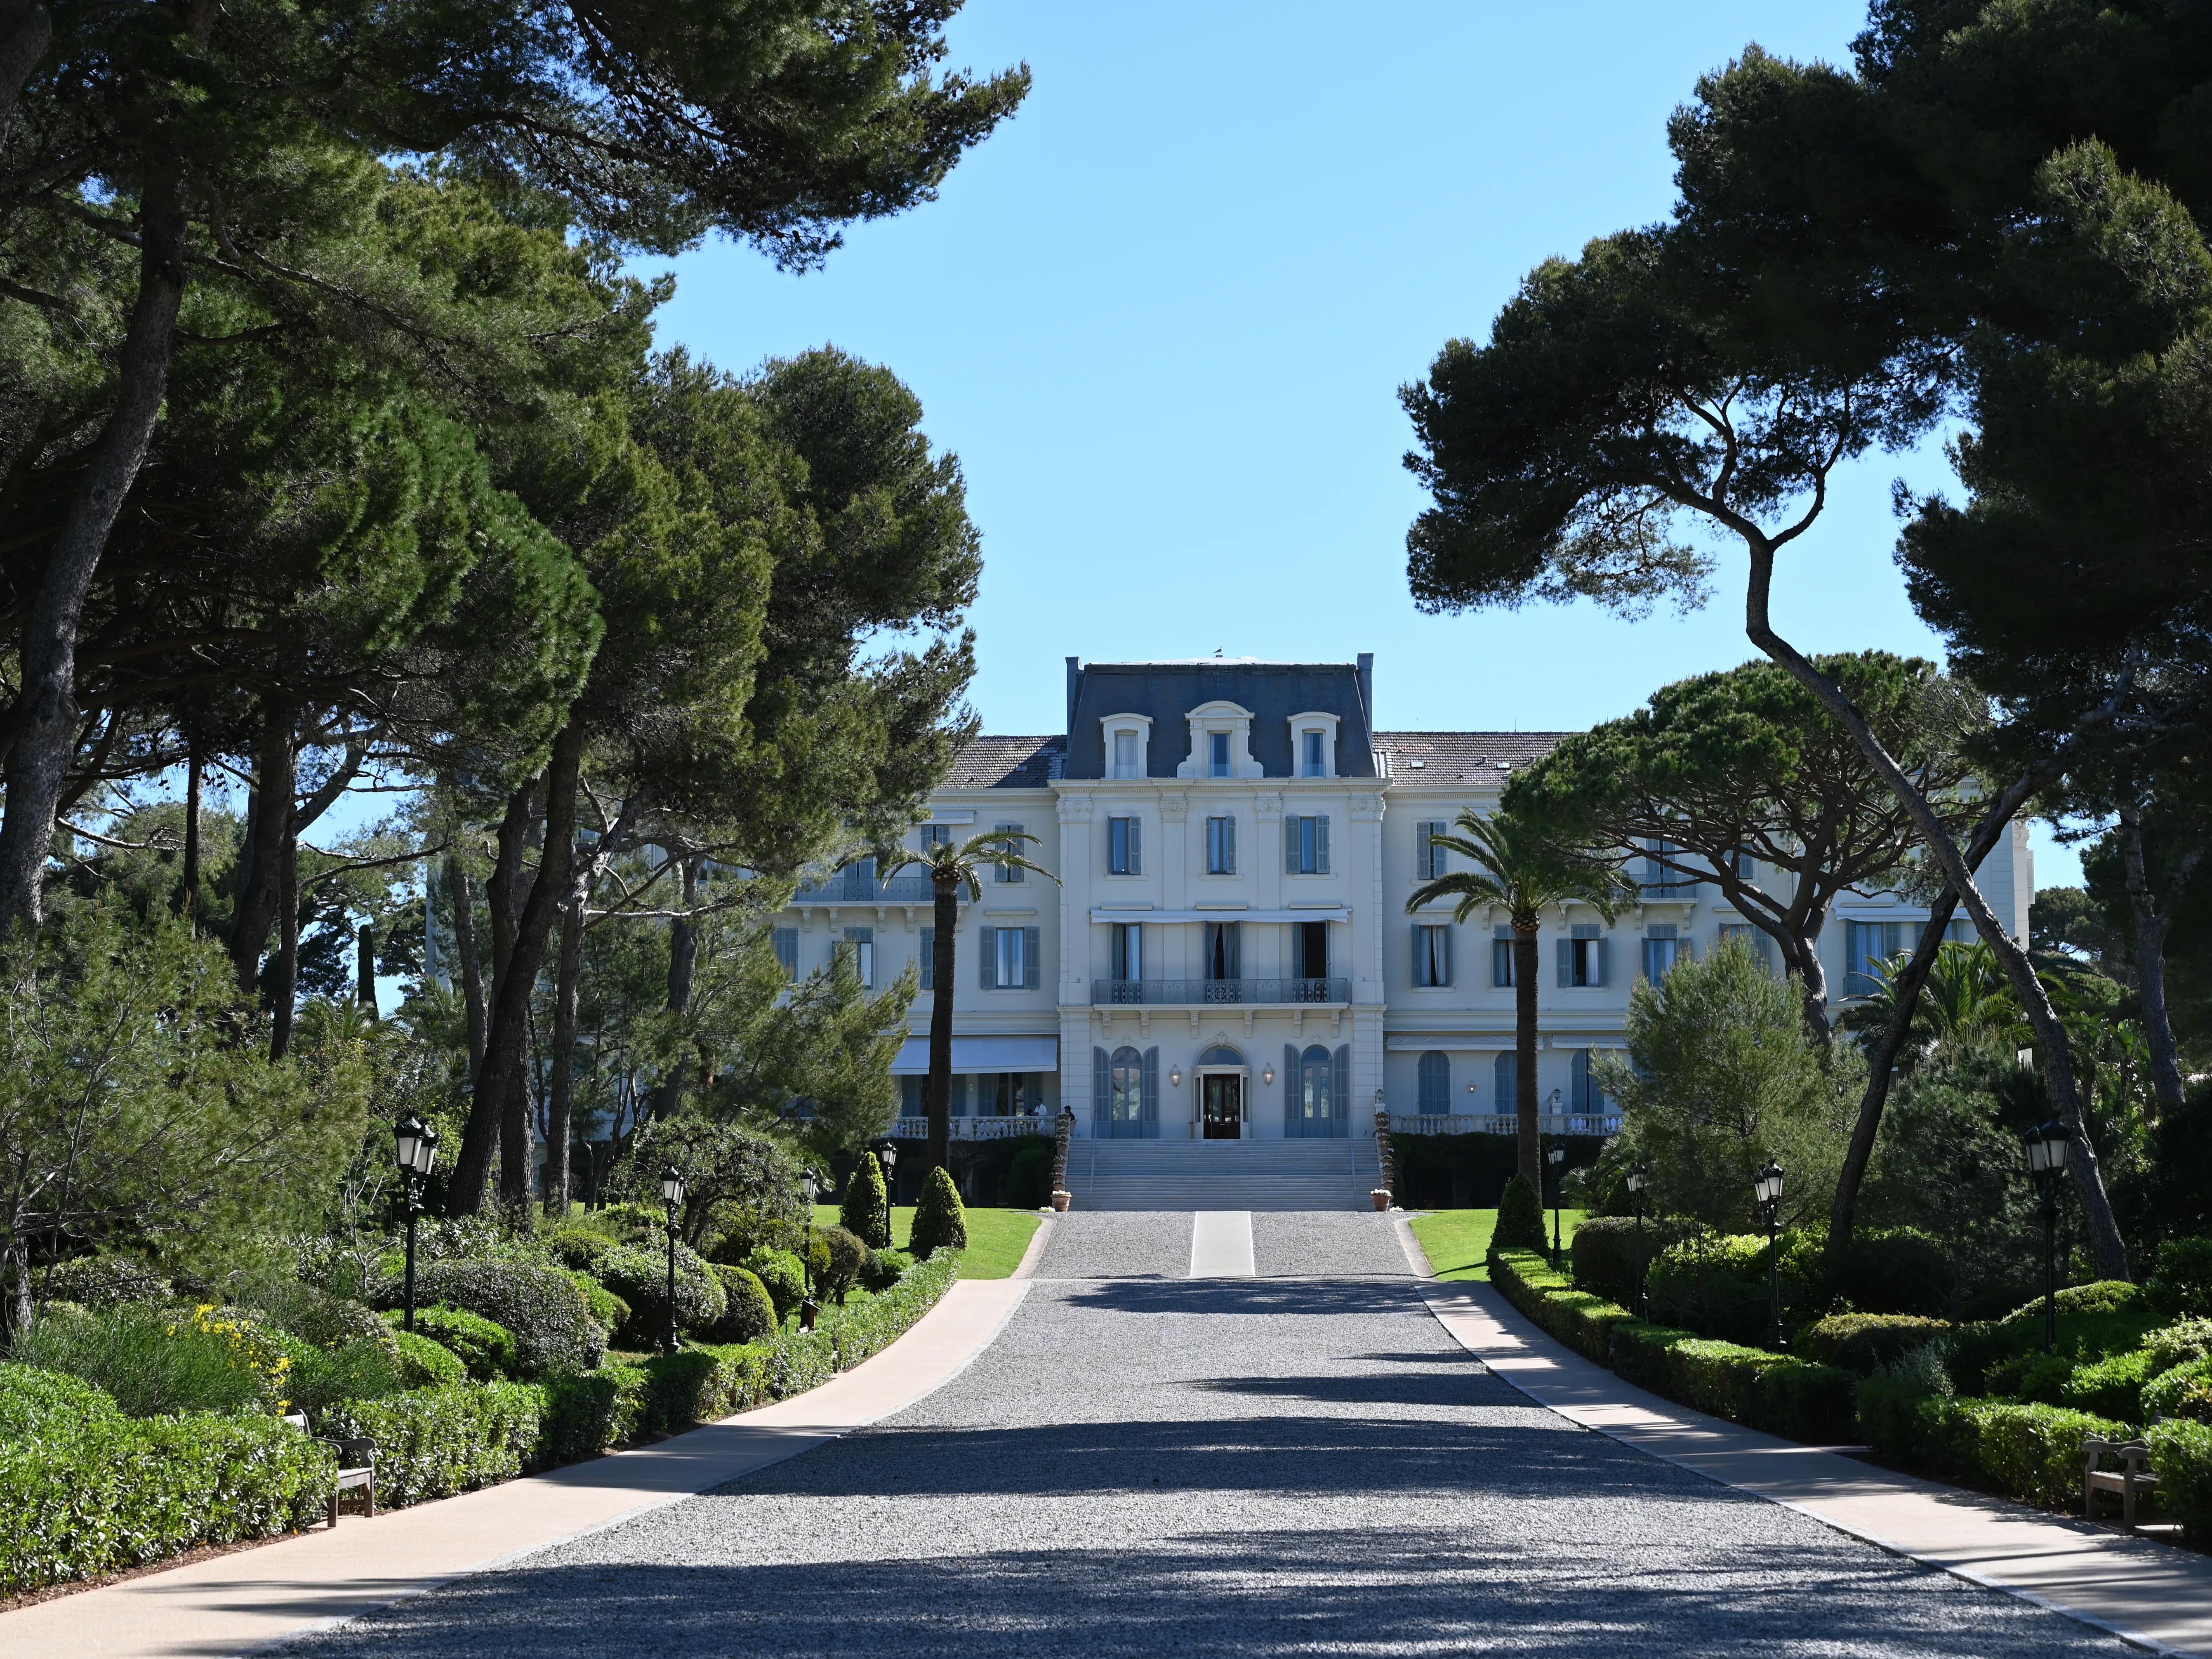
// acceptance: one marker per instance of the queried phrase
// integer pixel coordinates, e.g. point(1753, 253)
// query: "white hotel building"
point(1226, 954)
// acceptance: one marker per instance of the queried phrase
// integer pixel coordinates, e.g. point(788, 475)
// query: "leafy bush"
point(846, 1335)
point(748, 1310)
point(2190, 1339)
point(588, 1411)
point(320, 1377)
point(434, 1442)
point(2007, 1357)
point(299, 1309)
point(847, 1257)
point(783, 1276)
point(866, 1212)
point(155, 1361)
point(734, 1232)
point(36, 1404)
point(2111, 1387)
point(485, 1348)
point(608, 1311)
point(1717, 1285)
point(1028, 1183)
point(939, 1221)
point(1611, 1252)
point(427, 1364)
point(2182, 1282)
point(2181, 1452)
point(2185, 1391)
point(103, 1281)
point(882, 1269)
point(1860, 1341)
point(112, 1493)
point(1520, 1218)
point(638, 1276)
point(702, 1383)
point(2028, 1451)
point(2105, 1296)
point(541, 1306)
point(1895, 1270)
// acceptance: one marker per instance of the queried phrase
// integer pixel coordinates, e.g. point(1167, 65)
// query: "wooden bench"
point(2134, 1475)
point(356, 1468)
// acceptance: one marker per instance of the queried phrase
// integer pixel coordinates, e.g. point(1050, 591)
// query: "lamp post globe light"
point(2047, 1144)
point(1639, 1177)
point(415, 1148)
point(671, 1194)
point(810, 1184)
point(1767, 1186)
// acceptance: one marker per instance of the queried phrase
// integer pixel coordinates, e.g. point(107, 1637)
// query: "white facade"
point(1211, 851)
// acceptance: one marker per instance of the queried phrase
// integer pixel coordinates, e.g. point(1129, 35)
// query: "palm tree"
point(1966, 997)
point(1523, 868)
point(950, 868)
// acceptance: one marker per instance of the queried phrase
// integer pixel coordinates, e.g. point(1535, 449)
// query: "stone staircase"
point(1223, 1174)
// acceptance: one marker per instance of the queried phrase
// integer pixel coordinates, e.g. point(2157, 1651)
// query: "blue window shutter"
point(1420, 955)
point(1029, 958)
point(1340, 1090)
point(1151, 1086)
point(1229, 847)
point(1101, 1086)
point(987, 950)
point(1320, 845)
point(1293, 1105)
point(1290, 846)
point(1444, 954)
point(1566, 953)
point(928, 958)
point(1506, 1075)
point(1232, 949)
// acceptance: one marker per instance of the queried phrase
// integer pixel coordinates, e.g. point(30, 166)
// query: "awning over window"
point(983, 1054)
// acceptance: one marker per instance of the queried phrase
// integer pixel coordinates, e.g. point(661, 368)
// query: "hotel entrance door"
point(1222, 1096)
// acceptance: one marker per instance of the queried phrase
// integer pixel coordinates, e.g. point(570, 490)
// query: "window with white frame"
point(1008, 873)
point(1221, 847)
point(1866, 945)
point(1312, 761)
point(1223, 944)
point(1431, 956)
point(936, 834)
point(1661, 878)
point(1581, 955)
point(1305, 845)
point(1216, 755)
point(1124, 848)
point(1126, 761)
point(1501, 958)
point(926, 959)
point(1584, 1095)
point(859, 948)
point(1007, 958)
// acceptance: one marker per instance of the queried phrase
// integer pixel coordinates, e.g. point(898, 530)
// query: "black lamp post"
point(810, 1184)
point(671, 1194)
point(1637, 1175)
point(417, 1150)
point(1557, 1156)
point(1767, 1184)
point(887, 1155)
point(2047, 1161)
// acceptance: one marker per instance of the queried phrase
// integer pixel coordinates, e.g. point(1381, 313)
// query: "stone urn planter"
point(1382, 1197)
point(1060, 1201)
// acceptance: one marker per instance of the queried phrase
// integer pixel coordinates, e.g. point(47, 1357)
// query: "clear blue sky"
point(1163, 314)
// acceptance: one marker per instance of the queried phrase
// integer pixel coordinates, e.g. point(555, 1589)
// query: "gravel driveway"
point(1149, 1465)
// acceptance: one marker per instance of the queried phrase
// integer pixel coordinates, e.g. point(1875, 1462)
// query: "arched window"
point(1314, 1077)
point(1436, 1085)
point(1507, 1074)
point(1125, 1097)
point(1221, 1055)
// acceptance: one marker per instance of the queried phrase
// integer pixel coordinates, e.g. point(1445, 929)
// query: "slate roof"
point(1462, 756)
point(1165, 693)
point(1007, 763)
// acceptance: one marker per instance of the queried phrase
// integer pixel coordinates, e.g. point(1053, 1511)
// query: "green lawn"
point(1456, 1241)
point(996, 1238)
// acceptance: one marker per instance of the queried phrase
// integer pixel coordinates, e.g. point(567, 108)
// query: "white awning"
point(983, 1054)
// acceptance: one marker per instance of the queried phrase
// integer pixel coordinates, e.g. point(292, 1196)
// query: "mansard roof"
point(1166, 692)
point(1462, 756)
point(989, 762)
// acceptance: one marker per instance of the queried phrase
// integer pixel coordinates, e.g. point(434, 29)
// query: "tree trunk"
point(26, 28)
point(284, 992)
point(507, 1027)
point(2105, 1243)
point(560, 1133)
point(2150, 926)
point(947, 919)
point(261, 861)
point(46, 714)
point(364, 985)
point(683, 973)
point(1527, 1128)
point(188, 896)
point(464, 952)
point(514, 1137)
point(480, 1134)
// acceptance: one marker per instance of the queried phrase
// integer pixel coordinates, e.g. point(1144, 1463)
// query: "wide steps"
point(1222, 1175)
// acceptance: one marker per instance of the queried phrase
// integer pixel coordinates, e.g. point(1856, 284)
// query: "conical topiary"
point(866, 1213)
point(1520, 1218)
point(939, 1222)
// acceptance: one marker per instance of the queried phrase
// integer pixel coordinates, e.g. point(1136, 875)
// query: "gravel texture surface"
point(1118, 1244)
point(1303, 1244)
point(1145, 1465)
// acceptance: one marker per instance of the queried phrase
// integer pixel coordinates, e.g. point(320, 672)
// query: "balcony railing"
point(1196, 992)
point(859, 887)
point(974, 1128)
point(1550, 1123)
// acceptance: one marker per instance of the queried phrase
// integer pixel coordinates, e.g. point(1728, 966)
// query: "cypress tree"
point(1520, 1218)
point(866, 1212)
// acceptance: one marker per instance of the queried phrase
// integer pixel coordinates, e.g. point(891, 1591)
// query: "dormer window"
point(1216, 755)
point(1125, 753)
point(1127, 741)
point(1310, 761)
point(1313, 745)
point(1220, 742)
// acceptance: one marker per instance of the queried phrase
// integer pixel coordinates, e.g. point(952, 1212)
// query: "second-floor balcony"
point(865, 887)
point(1201, 992)
point(1493, 1123)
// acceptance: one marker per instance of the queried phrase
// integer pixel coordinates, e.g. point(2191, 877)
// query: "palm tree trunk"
point(1528, 1134)
point(939, 1093)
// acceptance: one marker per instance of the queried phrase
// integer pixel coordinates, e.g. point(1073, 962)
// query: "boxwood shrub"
point(2185, 1391)
point(748, 1311)
point(1610, 1252)
point(427, 1364)
point(541, 1306)
point(586, 1412)
point(2181, 1452)
point(485, 1348)
point(1860, 1341)
point(2019, 1449)
point(784, 1276)
point(434, 1442)
point(638, 1276)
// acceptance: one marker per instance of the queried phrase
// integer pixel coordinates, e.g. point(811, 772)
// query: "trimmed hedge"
point(485, 1347)
point(639, 1276)
point(1610, 1252)
point(434, 1442)
point(116, 1493)
point(2027, 1451)
point(586, 1412)
point(427, 1364)
point(848, 1255)
point(37, 1404)
point(2181, 1452)
point(2184, 1392)
point(846, 1335)
point(1775, 1392)
point(1860, 1342)
point(552, 1327)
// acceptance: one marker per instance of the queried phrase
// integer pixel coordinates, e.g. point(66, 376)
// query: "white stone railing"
point(1550, 1123)
point(974, 1128)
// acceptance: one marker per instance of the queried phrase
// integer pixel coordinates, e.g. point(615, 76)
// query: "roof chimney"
point(1075, 679)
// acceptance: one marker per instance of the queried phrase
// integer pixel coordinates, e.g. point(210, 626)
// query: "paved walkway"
point(1304, 1461)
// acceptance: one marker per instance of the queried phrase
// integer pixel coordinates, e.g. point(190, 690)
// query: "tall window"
point(1429, 858)
point(1007, 958)
point(927, 960)
point(1756, 940)
point(1866, 945)
point(1224, 943)
point(1746, 863)
point(1124, 854)
point(1431, 956)
point(1311, 758)
point(1126, 1085)
point(1216, 754)
point(1662, 950)
point(1129, 950)
point(1434, 1076)
point(1221, 847)
point(1584, 1096)
point(860, 949)
point(1007, 871)
point(1501, 958)
point(1505, 1075)
point(1310, 950)
point(786, 941)
point(936, 834)
point(1306, 846)
point(1316, 1076)
point(1125, 755)
point(1581, 955)
point(1662, 879)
